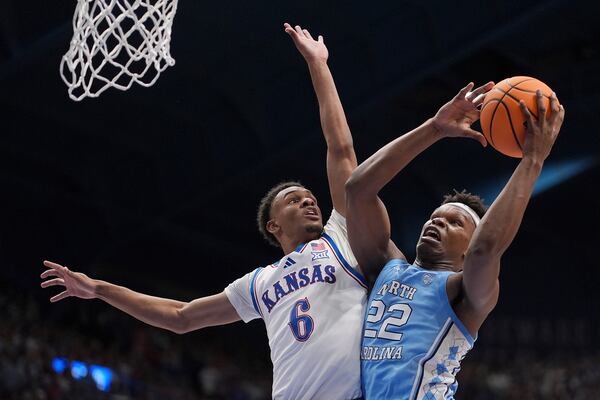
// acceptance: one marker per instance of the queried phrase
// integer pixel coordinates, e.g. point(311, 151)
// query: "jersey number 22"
point(399, 317)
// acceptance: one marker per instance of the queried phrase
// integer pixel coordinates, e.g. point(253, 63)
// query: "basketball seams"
point(516, 87)
point(518, 83)
point(496, 109)
point(503, 93)
point(492, 121)
point(529, 91)
point(514, 98)
point(524, 90)
point(492, 117)
point(512, 128)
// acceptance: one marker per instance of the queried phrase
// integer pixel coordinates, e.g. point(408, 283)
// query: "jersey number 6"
point(302, 325)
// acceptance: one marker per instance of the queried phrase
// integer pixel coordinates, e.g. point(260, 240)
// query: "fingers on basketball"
point(562, 113)
point(478, 101)
point(479, 93)
point(463, 92)
point(510, 113)
point(528, 117)
point(558, 111)
point(541, 106)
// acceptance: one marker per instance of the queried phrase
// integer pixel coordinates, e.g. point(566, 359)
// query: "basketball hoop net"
point(116, 43)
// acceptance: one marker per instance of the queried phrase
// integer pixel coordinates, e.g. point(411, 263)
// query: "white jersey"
point(312, 302)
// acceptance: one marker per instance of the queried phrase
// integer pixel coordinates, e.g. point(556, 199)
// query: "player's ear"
point(272, 227)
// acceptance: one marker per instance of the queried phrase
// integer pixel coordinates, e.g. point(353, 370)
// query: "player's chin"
point(315, 227)
point(429, 247)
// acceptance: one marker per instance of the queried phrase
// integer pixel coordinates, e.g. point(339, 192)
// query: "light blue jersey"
point(413, 341)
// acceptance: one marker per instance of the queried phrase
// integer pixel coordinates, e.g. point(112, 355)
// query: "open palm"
point(76, 284)
point(311, 49)
point(455, 118)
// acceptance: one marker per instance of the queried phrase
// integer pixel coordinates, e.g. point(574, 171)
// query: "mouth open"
point(431, 234)
point(311, 214)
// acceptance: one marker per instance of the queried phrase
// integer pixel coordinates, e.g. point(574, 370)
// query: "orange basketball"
point(502, 121)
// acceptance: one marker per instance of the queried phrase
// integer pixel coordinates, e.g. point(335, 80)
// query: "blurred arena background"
point(156, 188)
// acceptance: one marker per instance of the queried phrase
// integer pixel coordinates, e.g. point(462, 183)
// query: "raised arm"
point(368, 222)
point(173, 315)
point(341, 160)
point(501, 222)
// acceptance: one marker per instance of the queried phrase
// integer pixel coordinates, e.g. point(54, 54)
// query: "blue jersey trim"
point(448, 307)
point(345, 264)
point(252, 292)
point(397, 261)
point(386, 273)
point(432, 352)
point(300, 247)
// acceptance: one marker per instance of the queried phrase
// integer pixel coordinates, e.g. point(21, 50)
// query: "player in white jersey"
point(424, 318)
point(312, 301)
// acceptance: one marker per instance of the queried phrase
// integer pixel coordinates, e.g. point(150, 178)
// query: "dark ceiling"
point(157, 187)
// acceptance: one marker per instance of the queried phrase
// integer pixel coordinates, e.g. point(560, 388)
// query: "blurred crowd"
point(530, 376)
point(149, 363)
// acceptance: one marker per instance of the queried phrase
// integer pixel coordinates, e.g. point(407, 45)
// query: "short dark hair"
point(264, 210)
point(472, 200)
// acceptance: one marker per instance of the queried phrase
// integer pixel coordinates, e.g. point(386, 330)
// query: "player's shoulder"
point(390, 270)
point(267, 268)
point(335, 232)
point(275, 268)
point(401, 269)
point(335, 219)
point(397, 266)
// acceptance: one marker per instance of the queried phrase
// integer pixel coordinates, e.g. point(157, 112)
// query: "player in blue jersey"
point(423, 317)
point(312, 300)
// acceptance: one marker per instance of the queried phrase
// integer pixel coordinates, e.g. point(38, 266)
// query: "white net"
point(116, 43)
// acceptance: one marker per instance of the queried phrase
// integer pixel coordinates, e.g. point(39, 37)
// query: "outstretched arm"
point(501, 222)
point(341, 160)
point(368, 222)
point(176, 316)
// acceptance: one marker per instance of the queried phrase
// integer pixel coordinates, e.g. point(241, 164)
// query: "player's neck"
point(288, 249)
point(437, 265)
point(288, 245)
